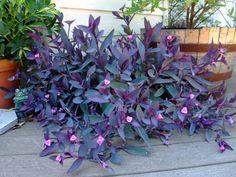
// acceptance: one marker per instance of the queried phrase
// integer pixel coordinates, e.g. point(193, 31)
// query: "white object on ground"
point(8, 119)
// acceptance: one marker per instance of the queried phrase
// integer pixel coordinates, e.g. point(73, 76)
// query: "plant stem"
point(224, 18)
point(187, 17)
point(192, 15)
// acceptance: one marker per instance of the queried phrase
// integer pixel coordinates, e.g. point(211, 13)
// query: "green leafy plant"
point(138, 6)
point(195, 13)
point(186, 13)
point(19, 18)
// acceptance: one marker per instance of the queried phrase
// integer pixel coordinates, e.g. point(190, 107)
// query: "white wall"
point(222, 15)
point(81, 9)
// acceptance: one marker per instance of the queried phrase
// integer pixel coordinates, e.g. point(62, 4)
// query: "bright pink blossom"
point(36, 55)
point(221, 51)
point(54, 110)
point(73, 138)
point(47, 96)
point(129, 119)
point(107, 82)
point(59, 158)
point(130, 37)
point(104, 164)
point(48, 142)
point(100, 140)
point(160, 117)
point(70, 131)
point(184, 110)
point(191, 96)
point(231, 121)
point(169, 37)
point(199, 115)
point(222, 148)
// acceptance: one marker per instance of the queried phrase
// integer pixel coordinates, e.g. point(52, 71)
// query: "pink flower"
point(160, 117)
point(130, 37)
point(36, 55)
point(100, 140)
point(60, 110)
point(53, 110)
point(70, 131)
point(129, 119)
point(231, 121)
point(222, 148)
point(59, 158)
point(169, 37)
point(104, 164)
point(73, 138)
point(199, 115)
point(191, 96)
point(107, 82)
point(184, 110)
point(58, 93)
point(221, 51)
point(47, 96)
point(48, 142)
point(213, 62)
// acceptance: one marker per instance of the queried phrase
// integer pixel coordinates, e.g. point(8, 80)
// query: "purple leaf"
point(143, 134)
point(121, 132)
point(115, 13)
point(99, 98)
point(112, 69)
point(208, 135)
point(118, 85)
point(66, 41)
point(141, 49)
point(136, 151)
point(116, 159)
point(91, 71)
point(77, 100)
point(192, 128)
point(95, 119)
point(195, 84)
point(48, 150)
point(75, 84)
point(60, 136)
point(139, 113)
point(107, 41)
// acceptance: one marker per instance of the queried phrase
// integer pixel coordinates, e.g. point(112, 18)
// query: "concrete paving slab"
point(177, 156)
point(32, 143)
point(225, 170)
point(8, 119)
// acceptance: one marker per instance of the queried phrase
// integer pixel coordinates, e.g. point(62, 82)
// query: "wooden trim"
point(204, 47)
point(219, 76)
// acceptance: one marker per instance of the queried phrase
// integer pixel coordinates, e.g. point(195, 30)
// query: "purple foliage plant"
point(92, 95)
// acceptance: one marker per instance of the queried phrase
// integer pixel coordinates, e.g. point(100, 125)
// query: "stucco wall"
point(81, 9)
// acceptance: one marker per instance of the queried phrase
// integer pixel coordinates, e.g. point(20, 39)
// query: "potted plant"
point(192, 21)
point(17, 20)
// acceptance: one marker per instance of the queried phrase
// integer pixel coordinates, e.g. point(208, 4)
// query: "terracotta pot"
point(7, 70)
point(197, 42)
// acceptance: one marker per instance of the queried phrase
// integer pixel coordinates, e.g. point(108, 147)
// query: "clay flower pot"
point(7, 70)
